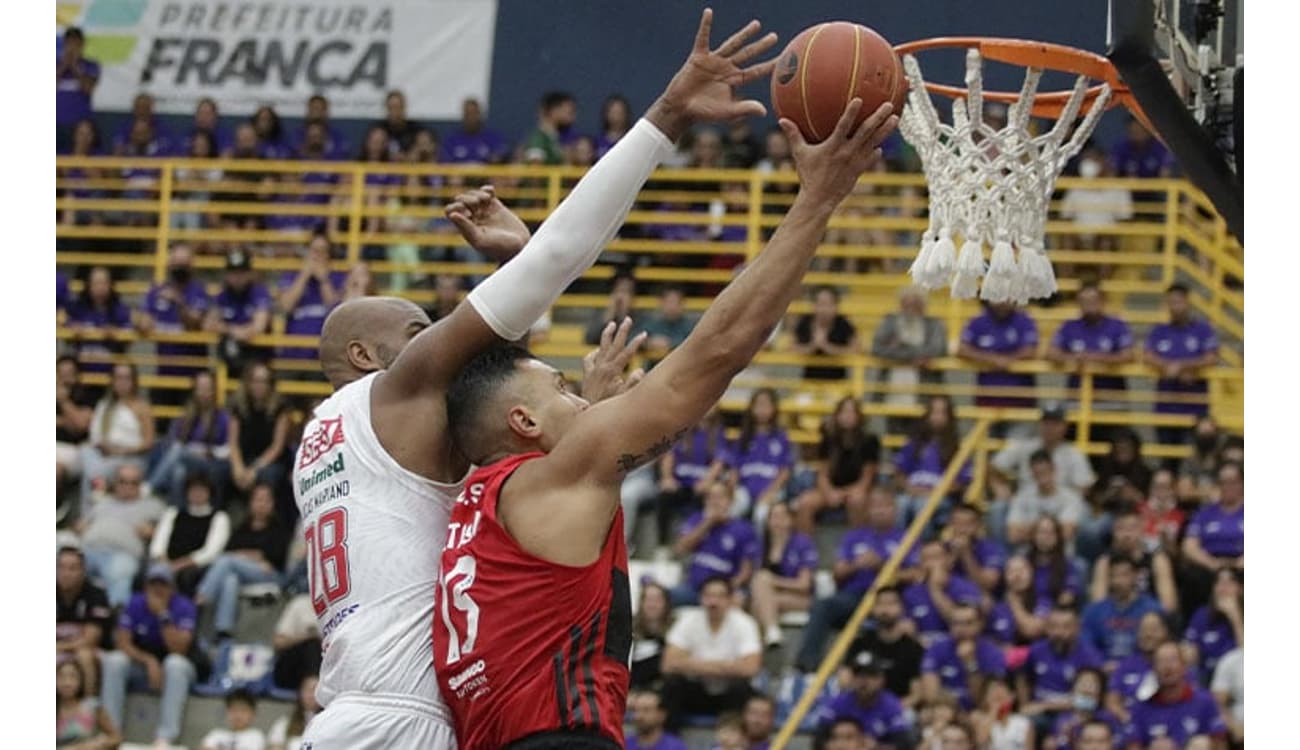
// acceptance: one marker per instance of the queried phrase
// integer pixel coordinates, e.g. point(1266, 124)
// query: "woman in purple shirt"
point(307, 297)
point(615, 119)
point(717, 545)
point(100, 321)
point(784, 580)
point(1020, 617)
point(921, 463)
point(1218, 627)
point(695, 462)
point(197, 442)
point(1055, 574)
point(85, 142)
point(761, 457)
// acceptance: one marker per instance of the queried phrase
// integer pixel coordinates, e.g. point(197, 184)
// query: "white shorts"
point(354, 721)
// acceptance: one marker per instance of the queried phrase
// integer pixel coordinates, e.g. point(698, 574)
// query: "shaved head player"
point(377, 472)
point(533, 628)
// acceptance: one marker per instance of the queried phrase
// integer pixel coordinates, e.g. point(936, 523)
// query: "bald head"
point(366, 334)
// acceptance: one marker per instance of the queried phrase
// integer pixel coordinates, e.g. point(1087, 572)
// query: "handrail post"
point(164, 223)
point(1084, 423)
point(223, 381)
point(1171, 234)
point(553, 187)
point(355, 203)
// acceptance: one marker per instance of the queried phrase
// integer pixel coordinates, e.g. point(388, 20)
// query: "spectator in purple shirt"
point(975, 557)
point(1135, 674)
point(879, 712)
point(176, 305)
point(718, 545)
point(849, 456)
point(994, 340)
point(1086, 699)
point(207, 120)
point(960, 664)
point(1111, 624)
point(1044, 685)
point(1179, 710)
point(332, 143)
point(1092, 338)
point(196, 443)
point(85, 142)
point(474, 142)
point(758, 722)
point(155, 650)
point(1218, 627)
point(1179, 350)
point(240, 313)
point(648, 719)
point(1020, 616)
point(921, 463)
point(762, 457)
point(1215, 537)
point(77, 78)
point(142, 110)
point(271, 141)
point(101, 322)
point(932, 602)
point(1141, 155)
point(863, 552)
point(1056, 575)
point(695, 462)
point(307, 297)
point(615, 121)
point(784, 579)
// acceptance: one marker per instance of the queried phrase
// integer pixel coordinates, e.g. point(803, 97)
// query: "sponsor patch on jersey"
point(328, 434)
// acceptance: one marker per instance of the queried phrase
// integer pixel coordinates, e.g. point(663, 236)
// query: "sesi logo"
point(328, 433)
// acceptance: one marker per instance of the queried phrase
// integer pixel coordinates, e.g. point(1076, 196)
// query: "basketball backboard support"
point(1183, 61)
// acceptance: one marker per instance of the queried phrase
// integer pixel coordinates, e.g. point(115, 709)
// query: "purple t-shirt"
point(220, 137)
point(1182, 342)
point(768, 453)
point(308, 316)
point(941, 660)
point(1112, 629)
point(722, 552)
point(62, 291)
point(1106, 335)
point(919, 605)
point(883, 717)
point(1128, 677)
point(858, 540)
point(988, 334)
point(1068, 725)
point(87, 316)
point(238, 308)
point(336, 146)
point(666, 742)
point(1000, 624)
point(800, 554)
point(1213, 638)
point(1053, 673)
point(167, 319)
point(692, 456)
point(145, 627)
point(485, 147)
point(1222, 534)
point(71, 104)
point(988, 553)
point(1131, 160)
point(924, 467)
point(1197, 713)
point(1043, 582)
point(201, 434)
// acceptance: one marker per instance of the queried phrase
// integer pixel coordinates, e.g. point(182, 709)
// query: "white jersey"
point(374, 534)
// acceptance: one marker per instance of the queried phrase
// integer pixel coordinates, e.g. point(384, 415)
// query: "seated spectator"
point(200, 147)
point(713, 652)
point(580, 151)
point(207, 120)
point(1013, 462)
point(176, 305)
point(1140, 154)
point(776, 154)
point(306, 297)
point(622, 293)
point(1155, 573)
point(239, 732)
point(115, 530)
point(241, 311)
point(844, 734)
point(155, 652)
point(85, 142)
point(197, 443)
point(1180, 350)
point(556, 113)
point(935, 717)
point(889, 639)
point(1086, 696)
point(1056, 577)
point(1162, 519)
point(909, 340)
point(997, 724)
point(297, 643)
point(648, 719)
point(877, 711)
point(825, 333)
point(932, 602)
point(654, 615)
point(74, 404)
point(318, 116)
point(474, 142)
point(121, 431)
point(696, 461)
point(255, 554)
point(1044, 686)
point(99, 320)
point(1095, 210)
point(259, 433)
point(1218, 627)
point(669, 326)
point(1135, 673)
point(1179, 709)
point(921, 463)
point(784, 579)
point(1208, 441)
point(1215, 537)
point(740, 149)
point(974, 557)
point(1229, 688)
point(1096, 735)
point(615, 121)
point(863, 552)
point(717, 545)
point(729, 734)
point(762, 457)
point(400, 130)
point(962, 663)
point(286, 733)
point(83, 618)
point(271, 138)
point(758, 721)
point(1045, 497)
point(1110, 624)
point(189, 539)
point(80, 720)
point(848, 457)
point(1123, 470)
point(1020, 617)
point(993, 341)
point(958, 735)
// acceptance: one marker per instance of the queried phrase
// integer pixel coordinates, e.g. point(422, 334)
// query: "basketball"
point(825, 66)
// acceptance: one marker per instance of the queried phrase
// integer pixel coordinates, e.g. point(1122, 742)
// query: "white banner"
point(280, 52)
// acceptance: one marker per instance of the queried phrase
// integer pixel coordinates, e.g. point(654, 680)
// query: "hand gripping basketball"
point(829, 170)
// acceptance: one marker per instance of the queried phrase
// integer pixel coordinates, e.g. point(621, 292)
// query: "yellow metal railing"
point(835, 656)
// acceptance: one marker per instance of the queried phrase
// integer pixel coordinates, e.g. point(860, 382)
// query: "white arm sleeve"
point(571, 239)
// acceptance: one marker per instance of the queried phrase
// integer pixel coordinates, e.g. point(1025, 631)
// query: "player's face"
point(550, 404)
point(403, 322)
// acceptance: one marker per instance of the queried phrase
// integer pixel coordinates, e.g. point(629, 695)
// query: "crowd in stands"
point(1080, 603)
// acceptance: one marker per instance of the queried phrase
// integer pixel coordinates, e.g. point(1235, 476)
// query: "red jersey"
point(523, 646)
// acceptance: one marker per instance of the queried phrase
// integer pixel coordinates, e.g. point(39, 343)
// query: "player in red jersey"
point(533, 620)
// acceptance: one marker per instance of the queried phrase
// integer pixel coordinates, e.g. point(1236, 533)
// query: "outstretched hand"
point(703, 90)
point(487, 225)
point(829, 170)
point(603, 369)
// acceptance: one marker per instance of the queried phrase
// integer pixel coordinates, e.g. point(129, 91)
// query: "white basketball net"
point(990, 187)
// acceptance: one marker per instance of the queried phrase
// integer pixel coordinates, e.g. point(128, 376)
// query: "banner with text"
point(280, 52)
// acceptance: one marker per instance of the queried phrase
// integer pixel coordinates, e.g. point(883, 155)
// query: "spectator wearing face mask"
point(176, 305)
point(1095, 211)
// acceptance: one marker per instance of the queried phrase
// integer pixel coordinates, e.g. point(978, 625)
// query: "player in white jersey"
point(376, 472)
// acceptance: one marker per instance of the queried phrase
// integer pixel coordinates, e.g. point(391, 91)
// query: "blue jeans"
point(120, 672)
point(996, 520)
point(221, 584)
point(176, 463)
point(826, 615)
point(116, 569)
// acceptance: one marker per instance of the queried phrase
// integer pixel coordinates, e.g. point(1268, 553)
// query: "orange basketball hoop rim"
point(1043, 55)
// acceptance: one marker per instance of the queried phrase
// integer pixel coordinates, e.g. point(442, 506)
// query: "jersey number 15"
point(327, 559)
point(455, 594)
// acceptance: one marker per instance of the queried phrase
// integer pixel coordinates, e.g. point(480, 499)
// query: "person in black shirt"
point(401, 131)
point(84, 617)
point(825, 333)
point(258, 434)
point(255, 554)
point(649, 629)
point(849, 455)
point(901, 652)
point(75, 404)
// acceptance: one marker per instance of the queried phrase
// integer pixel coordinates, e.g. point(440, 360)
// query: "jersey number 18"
point(327, 559)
